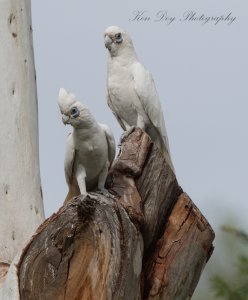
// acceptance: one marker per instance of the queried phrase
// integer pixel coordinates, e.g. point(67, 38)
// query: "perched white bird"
point(132, 94)
point(90, 148)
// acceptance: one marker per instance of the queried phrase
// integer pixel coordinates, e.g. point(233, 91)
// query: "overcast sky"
point(200, 68)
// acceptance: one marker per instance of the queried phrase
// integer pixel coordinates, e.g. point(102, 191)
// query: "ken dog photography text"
point(189, 16)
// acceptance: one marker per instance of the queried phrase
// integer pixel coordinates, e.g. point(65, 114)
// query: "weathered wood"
point(155, 182)
point(173, 271)
point(88, 250)
point(150, 242)
point(3, 271)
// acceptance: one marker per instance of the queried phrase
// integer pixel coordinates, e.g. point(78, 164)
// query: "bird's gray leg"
point(102, 176)
point(125, 134)
point(141, 122)
point(101, 181)
point(130, 129)
point(81, 175)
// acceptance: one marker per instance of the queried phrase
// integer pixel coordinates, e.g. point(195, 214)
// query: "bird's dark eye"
point(74, 112)
point(118, 38)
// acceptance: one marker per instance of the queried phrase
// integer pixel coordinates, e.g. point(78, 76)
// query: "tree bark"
point(175, 266)
point(20, 189)
point(149, 242)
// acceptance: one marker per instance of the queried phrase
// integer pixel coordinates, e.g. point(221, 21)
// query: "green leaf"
point(242, 292)
point(243, 265)
point(220, 286)
point(243, 236)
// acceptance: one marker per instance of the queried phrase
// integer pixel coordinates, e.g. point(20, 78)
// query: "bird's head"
point(73, 112)
point(117, 41)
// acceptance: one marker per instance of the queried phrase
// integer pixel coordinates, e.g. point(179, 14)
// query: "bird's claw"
point(125, 134)
point(91, 196)
point(105, 193)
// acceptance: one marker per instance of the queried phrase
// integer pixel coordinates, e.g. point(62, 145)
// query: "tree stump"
point(149, 241)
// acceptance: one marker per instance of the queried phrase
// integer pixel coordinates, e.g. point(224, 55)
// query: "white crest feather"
point(65, 100)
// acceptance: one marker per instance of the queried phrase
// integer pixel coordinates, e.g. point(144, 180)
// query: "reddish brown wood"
point(173, 271)
point(155, 182)
point(83, 252)
point(149, 242)
point(4, 267)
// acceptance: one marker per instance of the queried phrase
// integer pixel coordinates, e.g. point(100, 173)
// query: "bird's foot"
point(125, 134)
point(91, 196)
point(105, 193)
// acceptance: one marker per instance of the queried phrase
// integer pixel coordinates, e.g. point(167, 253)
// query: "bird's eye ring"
point(118, 38)
point(74, 112)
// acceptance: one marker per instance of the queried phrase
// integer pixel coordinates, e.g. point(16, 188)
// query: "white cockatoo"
point(90, 148)
point(131, 91)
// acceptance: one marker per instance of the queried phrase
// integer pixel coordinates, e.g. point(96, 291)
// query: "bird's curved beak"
point(65, 119)
point(107, 41)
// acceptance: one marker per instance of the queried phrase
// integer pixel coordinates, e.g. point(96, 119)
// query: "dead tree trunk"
point(150, 242)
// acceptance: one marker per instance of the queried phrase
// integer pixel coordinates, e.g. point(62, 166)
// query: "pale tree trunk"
point(21, 206)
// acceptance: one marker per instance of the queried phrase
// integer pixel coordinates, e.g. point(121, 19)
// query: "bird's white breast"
point(91, 151)
point(121, 91)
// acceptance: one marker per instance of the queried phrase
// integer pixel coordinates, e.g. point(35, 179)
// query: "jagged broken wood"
point(150, 242)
